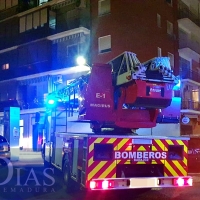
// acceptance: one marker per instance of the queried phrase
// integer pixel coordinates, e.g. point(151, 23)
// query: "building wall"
point(133, 27)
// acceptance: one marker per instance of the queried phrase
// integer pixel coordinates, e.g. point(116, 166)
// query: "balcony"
point(190, 74)
point(185, 12)
point(190, 105)
point(185, 42)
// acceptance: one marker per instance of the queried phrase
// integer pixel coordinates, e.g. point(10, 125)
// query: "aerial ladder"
point(123, 94)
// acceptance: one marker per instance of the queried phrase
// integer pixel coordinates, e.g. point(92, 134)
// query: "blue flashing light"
point(51, 101)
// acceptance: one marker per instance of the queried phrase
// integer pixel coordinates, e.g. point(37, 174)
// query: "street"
point(27, 179)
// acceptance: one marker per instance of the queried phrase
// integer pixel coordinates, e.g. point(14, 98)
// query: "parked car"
point(4, 150)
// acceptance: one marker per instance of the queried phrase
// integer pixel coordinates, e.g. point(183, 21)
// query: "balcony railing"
point(190, 74)
point(34, 103)
point(184, 12)
point(191, 105)
point(184, 42)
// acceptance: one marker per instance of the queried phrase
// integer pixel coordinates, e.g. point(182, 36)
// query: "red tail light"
point(183, 182)
point(101, 184)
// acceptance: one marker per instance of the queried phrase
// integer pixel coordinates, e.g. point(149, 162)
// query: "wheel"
point(3, 162)
point(67, 177)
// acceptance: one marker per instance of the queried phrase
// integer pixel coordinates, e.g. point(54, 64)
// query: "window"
point(159, 52)
point(5, 66)
point(5, 4)
point(169, 28)
point(103, 152)
point(33, 20)
point(42, 2)
point(158, 20)
point(171, 57)
point(123, 68)
point(104, 7)
point(72, 50)
point(175, 152)
point(52, 19)
point(104, 44)
point(195, 95)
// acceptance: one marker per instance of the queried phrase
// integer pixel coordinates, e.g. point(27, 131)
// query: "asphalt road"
point(27, 179)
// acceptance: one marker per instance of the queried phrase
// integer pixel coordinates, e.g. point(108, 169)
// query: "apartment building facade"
point(39, 43)
point(189, 67)
point(154, 28)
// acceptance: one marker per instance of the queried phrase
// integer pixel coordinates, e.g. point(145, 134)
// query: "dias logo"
point(15, 174)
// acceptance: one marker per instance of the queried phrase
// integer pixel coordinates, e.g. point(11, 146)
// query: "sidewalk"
point(28, 158)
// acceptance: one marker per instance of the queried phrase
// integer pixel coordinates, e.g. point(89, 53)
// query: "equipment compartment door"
point(75, 158)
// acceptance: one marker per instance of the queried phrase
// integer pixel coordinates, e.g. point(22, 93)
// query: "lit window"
point(52, 19)
point(195, 95)
point(169, 28)
point(105, 44)
point(104, 7)
point(158, 20)
point(42, 2)
point(5, 66)
point(159, 52)
point(171, 57)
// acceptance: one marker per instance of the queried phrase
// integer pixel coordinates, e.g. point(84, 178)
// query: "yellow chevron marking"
point(169, 142)
point(154, 148)
point(169, 167)
point(181, 169)
point(90, 162)
point(111, 140)
point(184, 146)
point(129, 148)
point(114, 175)
point(141, 148)
point(160, 144)
point(91, 147)
point(108, 170)
point(141, 162)
point(96, 169)
point(121, 143)
point(185, 161)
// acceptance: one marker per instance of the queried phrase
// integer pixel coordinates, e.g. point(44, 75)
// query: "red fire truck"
point(116, 99)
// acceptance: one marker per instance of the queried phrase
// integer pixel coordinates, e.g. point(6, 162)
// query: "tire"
point(3, 163)
point(67, 177)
